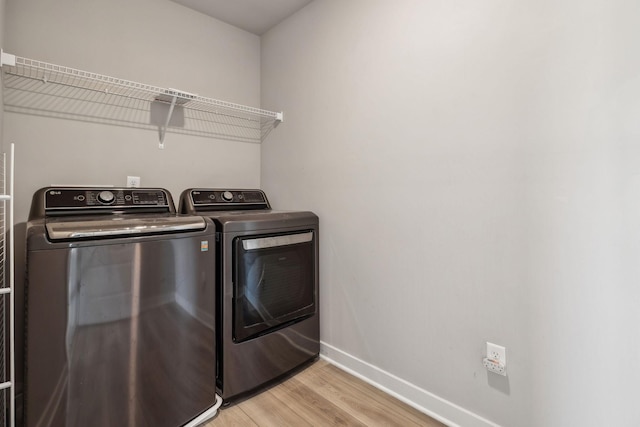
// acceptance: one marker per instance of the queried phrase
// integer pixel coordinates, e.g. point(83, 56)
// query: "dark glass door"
point(274, 282)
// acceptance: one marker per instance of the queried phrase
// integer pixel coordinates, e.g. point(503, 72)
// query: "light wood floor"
point(321, 395)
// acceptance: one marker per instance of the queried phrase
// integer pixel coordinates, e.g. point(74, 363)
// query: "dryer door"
point(274, 282)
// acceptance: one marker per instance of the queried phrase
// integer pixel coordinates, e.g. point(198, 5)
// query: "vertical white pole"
point(12, 351)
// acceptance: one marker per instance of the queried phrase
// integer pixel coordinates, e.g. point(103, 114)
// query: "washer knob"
point(106, 197)
point(228, 196)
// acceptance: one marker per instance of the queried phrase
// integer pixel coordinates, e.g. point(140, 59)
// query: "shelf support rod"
point(163, 129)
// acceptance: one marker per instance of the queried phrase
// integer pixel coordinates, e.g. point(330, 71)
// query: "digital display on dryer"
point(253, 197)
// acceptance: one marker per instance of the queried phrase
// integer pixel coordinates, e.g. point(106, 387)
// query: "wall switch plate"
point(133, 181)
point(496, 359)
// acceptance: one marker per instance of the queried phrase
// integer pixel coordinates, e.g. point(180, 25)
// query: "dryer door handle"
point(275, 241)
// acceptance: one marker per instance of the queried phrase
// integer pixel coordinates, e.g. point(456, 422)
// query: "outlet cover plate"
point(496, 360)
point(133, 181)
point(497, 352)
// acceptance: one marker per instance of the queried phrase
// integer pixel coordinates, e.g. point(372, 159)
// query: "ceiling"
point(255, 16)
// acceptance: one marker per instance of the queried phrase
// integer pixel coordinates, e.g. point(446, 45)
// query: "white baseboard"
point(424, 401)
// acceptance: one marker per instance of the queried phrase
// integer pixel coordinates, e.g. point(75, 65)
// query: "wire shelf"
point(40, 88)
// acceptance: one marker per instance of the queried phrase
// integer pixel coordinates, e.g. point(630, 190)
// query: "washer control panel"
point(115, 198)
point(221, 199)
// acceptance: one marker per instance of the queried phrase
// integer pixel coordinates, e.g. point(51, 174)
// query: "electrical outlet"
point(133, 181)
point(497, 353)
point(496, 360)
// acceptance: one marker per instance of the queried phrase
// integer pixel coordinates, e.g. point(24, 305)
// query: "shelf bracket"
point(7, 59)
point(163, 129)
point(174, 97)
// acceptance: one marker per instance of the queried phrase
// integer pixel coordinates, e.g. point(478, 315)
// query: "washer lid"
point(121, 226)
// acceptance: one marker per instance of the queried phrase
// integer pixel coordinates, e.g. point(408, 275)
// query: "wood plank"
point(367, 403)
point(306, 402)
point(233, 416)
point(267, 410)
point(322, 395)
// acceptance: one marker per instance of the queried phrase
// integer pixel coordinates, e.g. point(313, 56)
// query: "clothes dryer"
point(267, 287)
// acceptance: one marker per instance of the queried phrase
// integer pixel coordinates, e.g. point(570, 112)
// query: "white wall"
point(155, 42)
point(476, 169)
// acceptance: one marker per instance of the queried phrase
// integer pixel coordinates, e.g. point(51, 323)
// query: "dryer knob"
point(106, 197)
point(228, 196)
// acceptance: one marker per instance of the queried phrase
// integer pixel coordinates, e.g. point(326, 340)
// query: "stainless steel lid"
point(121, 226)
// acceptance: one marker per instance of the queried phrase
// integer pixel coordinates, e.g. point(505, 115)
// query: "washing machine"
point(267, 288)
point(119, 310)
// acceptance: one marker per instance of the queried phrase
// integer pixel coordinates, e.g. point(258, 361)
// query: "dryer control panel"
point(201, 199)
